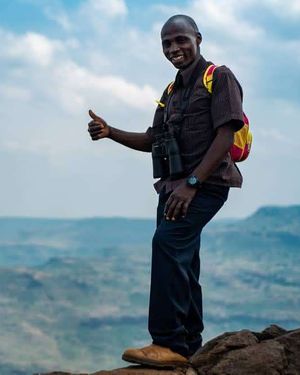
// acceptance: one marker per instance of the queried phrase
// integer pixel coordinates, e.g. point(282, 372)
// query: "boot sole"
point(151, 363)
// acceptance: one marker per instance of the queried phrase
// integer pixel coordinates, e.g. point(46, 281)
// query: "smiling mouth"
point(176, 59)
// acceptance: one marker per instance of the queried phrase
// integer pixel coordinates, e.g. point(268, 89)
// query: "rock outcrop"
point(274, 351)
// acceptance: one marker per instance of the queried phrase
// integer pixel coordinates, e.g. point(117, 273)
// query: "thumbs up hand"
point(97, 128)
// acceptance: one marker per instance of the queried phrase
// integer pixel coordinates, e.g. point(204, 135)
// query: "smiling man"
point(190, 139)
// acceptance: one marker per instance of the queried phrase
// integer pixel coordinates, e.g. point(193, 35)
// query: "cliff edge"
point(274, 351)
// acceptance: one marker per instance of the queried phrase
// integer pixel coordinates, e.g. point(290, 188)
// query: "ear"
point(199, 38)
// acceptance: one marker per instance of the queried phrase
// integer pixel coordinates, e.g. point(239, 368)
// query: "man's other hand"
point(179, 201)
point(97, 128)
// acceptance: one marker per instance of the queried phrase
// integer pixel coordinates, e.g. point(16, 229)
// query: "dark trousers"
point(175, 308)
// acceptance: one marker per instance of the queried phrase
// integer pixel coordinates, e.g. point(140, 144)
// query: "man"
point(203, 125)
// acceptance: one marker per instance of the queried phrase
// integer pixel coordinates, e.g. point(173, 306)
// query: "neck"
point(193, 62)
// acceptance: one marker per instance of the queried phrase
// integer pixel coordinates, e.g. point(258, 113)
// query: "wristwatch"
point(193, 181)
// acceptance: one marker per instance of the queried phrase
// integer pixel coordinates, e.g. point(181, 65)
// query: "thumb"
point(93, 116)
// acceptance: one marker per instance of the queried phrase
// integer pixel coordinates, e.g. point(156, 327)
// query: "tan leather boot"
point(154, 355)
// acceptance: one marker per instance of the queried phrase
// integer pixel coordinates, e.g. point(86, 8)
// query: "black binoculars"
point(166, 157)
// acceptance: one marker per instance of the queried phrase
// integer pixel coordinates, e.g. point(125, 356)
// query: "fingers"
point(97, 122)
point(95, 132)
point(167, 205)
point(176, 207)
point(177, 210)
point(96, 135)
point(185, 208)
point(173, 208)
point(94, 128)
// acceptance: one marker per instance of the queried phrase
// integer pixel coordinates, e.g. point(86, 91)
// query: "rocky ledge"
point(274, 351)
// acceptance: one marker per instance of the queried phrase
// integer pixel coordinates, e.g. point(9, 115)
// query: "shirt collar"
point(183, 76)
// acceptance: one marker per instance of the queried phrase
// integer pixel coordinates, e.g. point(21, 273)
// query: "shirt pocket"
point(197, 126)
point(196, 136)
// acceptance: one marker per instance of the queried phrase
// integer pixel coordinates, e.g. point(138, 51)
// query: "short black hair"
point(187, 19)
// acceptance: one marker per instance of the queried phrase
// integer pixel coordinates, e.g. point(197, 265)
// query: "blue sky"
point(60, 58)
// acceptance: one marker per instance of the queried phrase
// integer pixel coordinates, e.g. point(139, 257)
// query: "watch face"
point(193, 180)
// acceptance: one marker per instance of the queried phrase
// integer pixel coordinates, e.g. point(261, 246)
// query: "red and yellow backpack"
point(241, 146)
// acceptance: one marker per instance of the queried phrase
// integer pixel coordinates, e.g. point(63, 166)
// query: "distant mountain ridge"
point(22, 229)
point(274, 217)
point(32, 241)
point(77, 290)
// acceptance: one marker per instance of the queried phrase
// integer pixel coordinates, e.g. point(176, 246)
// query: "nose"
point(174, 48)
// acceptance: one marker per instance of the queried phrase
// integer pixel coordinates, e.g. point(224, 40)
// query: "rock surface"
point(274, 351)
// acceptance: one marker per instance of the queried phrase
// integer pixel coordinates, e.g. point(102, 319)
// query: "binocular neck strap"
point(186, 94)
point(166, 109)
point(185, 97)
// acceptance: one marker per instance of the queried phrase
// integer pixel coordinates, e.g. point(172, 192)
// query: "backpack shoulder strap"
point(208, 77)
point(167, 92)
point(170, 87)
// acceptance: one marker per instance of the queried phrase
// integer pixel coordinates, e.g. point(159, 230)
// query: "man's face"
point(180, 43)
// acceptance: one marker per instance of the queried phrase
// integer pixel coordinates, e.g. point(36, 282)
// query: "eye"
point(181, 39)
point(166, 44)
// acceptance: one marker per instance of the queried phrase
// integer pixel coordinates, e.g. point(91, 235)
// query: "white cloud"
point(13, 92)
point(71, 85)
point(223, 16)
point(287, 9)
point(112, 8)
point(275, 136)
point(30, 47)
point(292, 48)
point(78, 86)
point(166, 10)
point(58, 15)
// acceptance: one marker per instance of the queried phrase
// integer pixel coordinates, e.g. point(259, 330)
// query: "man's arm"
point(98, 129)
point(216, 153)
point(182, 196)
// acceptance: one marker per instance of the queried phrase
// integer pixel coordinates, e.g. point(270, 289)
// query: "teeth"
point(177, 58)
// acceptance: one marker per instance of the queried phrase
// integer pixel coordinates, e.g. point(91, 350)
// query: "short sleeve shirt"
point(204, 114)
